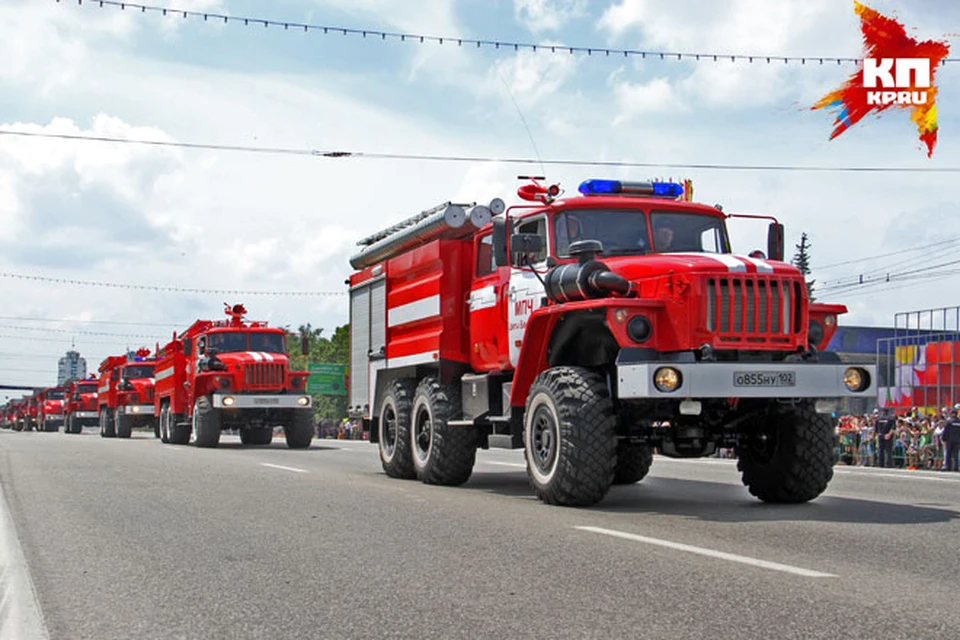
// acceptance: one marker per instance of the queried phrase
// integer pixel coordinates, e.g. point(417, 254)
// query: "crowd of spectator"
point(918, 441)
point(346, 429)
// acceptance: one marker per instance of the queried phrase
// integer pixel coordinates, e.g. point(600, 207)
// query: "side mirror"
point(499, 238)
point(775, 241)
point(522, 244)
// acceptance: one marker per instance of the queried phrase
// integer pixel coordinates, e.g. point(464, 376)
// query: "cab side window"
point(485, 264)
point(538, 227)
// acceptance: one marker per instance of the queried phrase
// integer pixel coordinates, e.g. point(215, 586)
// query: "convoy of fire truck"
point(589, 331)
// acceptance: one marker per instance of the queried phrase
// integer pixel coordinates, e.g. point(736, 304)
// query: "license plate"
point(266, 401)
point(764, 379)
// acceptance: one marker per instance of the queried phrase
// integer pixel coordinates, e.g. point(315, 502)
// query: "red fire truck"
point(591, 331)
point(51, 408)
point(32, 413)
point(80, 407)
point(231, 374)
point(125, 394)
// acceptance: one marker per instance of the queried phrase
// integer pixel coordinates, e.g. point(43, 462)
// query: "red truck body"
point(590, 331)
point(231, 374)
point(125, 395)
point(80, 405)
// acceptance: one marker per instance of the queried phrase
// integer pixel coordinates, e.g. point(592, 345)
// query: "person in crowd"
point(886, 428)
point(951, 436)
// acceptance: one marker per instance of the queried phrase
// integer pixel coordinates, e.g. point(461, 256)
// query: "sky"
point(166, 219)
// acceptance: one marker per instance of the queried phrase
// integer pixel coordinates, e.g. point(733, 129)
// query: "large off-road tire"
point(570, 436)
point(442, 454)
point(123, 424)
point(206, 423)
point(18, 425)
point(106, 423)
point(299, 430)
point(261, 436)
point(633, 462)
point(155, 423)
point(394, 429)
point(50, 427)
point(788, 457)
point(163, 423)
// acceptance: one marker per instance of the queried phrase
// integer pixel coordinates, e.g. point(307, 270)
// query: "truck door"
point(525, 292)
point(489, 349)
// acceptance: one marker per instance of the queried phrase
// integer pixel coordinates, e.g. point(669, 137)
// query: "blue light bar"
point(617, 187)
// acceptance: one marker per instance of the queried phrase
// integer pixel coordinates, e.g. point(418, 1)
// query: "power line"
point(145, 287)
point(366, 155)
point(84, 333)
point(76, 321)
point(84, 341)
point(374, 34)
point(883, 255)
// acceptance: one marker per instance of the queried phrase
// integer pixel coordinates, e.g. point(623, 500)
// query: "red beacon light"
point(536, 192)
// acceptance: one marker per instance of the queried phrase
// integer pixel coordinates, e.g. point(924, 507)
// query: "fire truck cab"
point(80, 405)
point(591, 331)
point(125, 394)
point(51, 408)
point(231, 374)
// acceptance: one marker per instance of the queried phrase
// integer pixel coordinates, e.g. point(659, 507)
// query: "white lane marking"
point(20, 615)
point(722, 555)
point(503, 464)
point(905, 477)
point(280, 466)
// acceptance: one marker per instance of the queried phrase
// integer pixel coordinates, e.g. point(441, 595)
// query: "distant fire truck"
point(125, 394)
point(231, 374)
point(591, 331)
point(80, 407)
point(51, 408)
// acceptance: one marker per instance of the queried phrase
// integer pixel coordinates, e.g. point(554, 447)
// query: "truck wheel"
point(633, 462)
point(106, 424)
point(123, 423)
point(394, 430)
point(441, 454)
point(206, 423)
point(789, 457)
point(570, 436)
point(260, 436)
point(18, 426)
point(299, 431)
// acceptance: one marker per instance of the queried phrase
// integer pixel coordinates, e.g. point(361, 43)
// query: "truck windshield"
point(230, 342)
point(625, 231)
point(138, 371)
point(55, 394)
point(87, 388)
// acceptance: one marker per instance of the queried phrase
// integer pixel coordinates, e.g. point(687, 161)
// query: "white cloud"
point(533, 77)
point(548, 15)
point(637, 99)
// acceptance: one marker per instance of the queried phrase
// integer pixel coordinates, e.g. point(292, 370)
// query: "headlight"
point(639, 329)
point(667, 379)
point(228, 401)
point(303, 401)
point(856, 379)
point(135, 409)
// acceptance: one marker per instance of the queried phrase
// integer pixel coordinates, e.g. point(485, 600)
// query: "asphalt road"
point(134, 539)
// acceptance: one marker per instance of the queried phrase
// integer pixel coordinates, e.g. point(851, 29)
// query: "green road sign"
point(327, 379)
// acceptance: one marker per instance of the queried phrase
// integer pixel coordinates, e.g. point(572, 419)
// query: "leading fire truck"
point(231, 374)
point(125, 394)
point(591, 331)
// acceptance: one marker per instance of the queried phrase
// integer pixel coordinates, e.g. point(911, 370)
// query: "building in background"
point(71, 366)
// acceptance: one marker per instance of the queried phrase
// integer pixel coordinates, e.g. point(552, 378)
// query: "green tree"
point(321, 349)
point(801, 260)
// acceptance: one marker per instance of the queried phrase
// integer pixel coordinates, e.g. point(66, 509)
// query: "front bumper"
point(138, 410)
point(743, 380)
point(262, 401)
